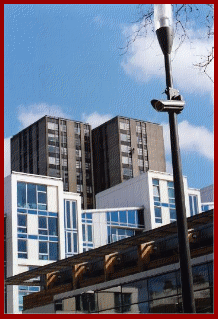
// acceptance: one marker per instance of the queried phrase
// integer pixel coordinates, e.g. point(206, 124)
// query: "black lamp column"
point(164, 33)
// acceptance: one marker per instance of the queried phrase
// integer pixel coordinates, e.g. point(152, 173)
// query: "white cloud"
point(30, 114)
point(144, 60)
point(95, 119)
point(7, 157)
point(192, 138)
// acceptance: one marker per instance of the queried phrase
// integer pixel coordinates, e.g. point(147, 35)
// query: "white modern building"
point(45, 224)
point(35, 208)
point(155, 192)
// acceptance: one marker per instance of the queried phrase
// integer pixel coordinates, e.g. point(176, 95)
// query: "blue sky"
point(65, 60)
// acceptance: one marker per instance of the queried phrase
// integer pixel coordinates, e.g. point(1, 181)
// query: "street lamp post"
point(174, 105)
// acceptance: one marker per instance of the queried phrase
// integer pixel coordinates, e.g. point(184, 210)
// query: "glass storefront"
point(157, 294)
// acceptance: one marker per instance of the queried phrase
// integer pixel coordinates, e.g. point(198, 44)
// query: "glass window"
point(89, 229)
point(42, 198)
point(22, 220)
point(53, 226)
point(158, 216)
point(203, 301)
point(43, 250)
point(125, 137)
point(114, 217)
point(31, 196)
point(193, 204)
point(164, 305)
point(22, 248)
point(69, 248)
point(162, 286)
point(21, 194)
point(123, 217)
point(172, 215)
point(74, 214)
point(106, 298)
point(126, 160)
point(131, 216)
point(53, 251)
point(138, 290)
point(127, 172)
point(42, 222)
point(200, 277)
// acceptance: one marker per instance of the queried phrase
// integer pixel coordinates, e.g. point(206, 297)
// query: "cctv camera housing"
point(168, 105)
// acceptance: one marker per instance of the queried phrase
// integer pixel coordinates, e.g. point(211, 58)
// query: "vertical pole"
point(184, 249)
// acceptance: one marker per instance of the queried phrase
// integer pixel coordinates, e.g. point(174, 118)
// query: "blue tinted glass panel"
point(32, 237)
point(31, 196)
point(195, 205)
point(108, 217)
point(172, 205)
point(53, 214)
point(42, 222)
point(42, 188)
point(53, 251)
point(22, 255)
point(21, 194)
point(89, 230)
point(69, 248)
point(20, 210)
point(21, 220)
point(157, 211)
point(164, 204)
point(33, 212)
point(156, 191)
point(170, 184)
point(84, 232)
point(74, 214)
point(43, 237)
point(42, 198)
point(22, 245)
point(156, 198)
point(171, 192)
point(157, 203)
point(53, 238)
point(131, 216)
point(123, 217)
point(42, 206)
point(75, 242)
point(121, 232)
point(21, 230)
point(129, 232)
point(155, 181)
point(22, 236)
point(190, 205)
point(33, 288)
point(43, 247)
point(114, 217)
point(68, 214)
point(52, 226)
point(43, 257)
point(42, 213)
point(172, 214)
point(88, 216)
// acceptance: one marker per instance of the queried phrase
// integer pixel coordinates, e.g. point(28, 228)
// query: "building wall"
point(71, 156)
point(155, 144)
point(138, 191)
point(207, 194)
point(109, 152)
point(55, 199)
point(30, 154)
